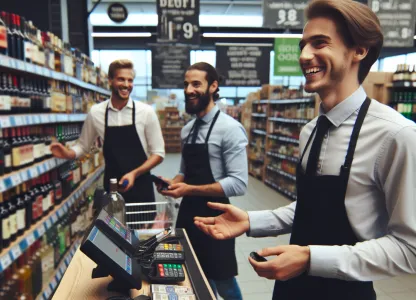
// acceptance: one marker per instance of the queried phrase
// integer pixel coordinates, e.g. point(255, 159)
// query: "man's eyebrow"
point(314, 37)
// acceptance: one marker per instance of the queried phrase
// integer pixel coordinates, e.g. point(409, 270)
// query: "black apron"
point(321, 219)
point(216, 257)
point(123, 152)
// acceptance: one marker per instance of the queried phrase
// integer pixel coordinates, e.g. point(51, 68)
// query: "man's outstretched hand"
point(232, 223)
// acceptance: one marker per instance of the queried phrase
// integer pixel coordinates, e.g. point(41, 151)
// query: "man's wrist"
point(308, 264)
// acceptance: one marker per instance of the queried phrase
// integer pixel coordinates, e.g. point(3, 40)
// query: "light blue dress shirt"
point(227, 151)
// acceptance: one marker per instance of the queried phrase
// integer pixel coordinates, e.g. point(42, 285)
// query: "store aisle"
point(259, 197)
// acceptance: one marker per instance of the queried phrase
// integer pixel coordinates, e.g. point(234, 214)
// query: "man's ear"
point(213, 87)
point(360, 53)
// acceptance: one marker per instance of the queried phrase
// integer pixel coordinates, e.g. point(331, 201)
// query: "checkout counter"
point(77, 283)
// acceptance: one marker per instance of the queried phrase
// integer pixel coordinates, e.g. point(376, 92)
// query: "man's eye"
point(319, 43)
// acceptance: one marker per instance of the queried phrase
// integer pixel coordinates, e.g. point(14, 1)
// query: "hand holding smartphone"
point(160, 183)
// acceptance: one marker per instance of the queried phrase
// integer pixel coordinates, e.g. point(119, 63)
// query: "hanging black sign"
point(117, 12)
point(243, 64)
point(169, 64)
point(284, 14)
point(178, 21)
point(397, 19)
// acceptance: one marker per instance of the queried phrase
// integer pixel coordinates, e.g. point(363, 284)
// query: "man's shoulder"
point(99, 107)
point(388, 119)
point(142, 106)
point(229, 122)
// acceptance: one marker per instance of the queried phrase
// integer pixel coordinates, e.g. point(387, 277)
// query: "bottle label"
point(8, 160)
point(6, 228)
point(16, 157)
point(45, 203)
point(58, 191)
point(28, 50)
point(21, 218)
point(37, 151)
point(3, 37)
point(34, 210)
point(7, 102)
point(51, 60)
point(51, 198)
point(413, 76)
point(13, 224)
point(39, 202)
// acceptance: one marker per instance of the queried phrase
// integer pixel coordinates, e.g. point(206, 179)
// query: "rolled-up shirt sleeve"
point(87, 137)
point(154, 136)
point(235, 162)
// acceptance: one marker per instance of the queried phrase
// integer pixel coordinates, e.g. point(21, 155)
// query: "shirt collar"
point(210, 115)
point(129, 105)
point(343, 110)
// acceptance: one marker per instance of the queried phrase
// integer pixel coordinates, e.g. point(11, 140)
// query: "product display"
point(171, 123)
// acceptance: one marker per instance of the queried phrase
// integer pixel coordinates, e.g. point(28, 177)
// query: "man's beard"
point(116, 91)
point(202, 103)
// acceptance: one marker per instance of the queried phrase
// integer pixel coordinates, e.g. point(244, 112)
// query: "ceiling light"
point(121, 34)
point(250, 35)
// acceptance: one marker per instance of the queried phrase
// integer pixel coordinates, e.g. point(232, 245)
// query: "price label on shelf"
point(33, 172)
point(52, 118)
point(29, 120)
point(5, 122)
point(36, 119)
point(18, 120)
point(46, 72)
point(41, 230)
point(30, 239)
point(41, 168)
point(38, 70)
point(2, 186)
point(16, 252)
point(48, 223)
point(54, 283)
point(60, 213)
point(54, 218)
point(16, 180)
point(24, 175)
point(5, 261)
point(47, 293)
point(30, 68)
point(20, 65)
point(44, 118)
point(62, 269)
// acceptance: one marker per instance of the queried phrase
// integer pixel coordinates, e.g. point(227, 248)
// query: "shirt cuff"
point(261, 223)
point(324, 261)
point(78, 150)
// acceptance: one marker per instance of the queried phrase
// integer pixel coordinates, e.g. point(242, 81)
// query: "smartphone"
point(257, 257)
point(164, 185)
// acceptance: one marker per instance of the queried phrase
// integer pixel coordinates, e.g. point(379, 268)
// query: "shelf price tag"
point(5, 122)
point(47, 292)
point(54, 283)
point(30, 239)
point(41, 168)
point(5, 261)
point(30, 68)
point(48, 223)
point(54, 218)
point(33, 172)
point(20, 65)
point(41, 230)
point(24, 175)
point(2, 186)
point(36, 119)
point(16, 252)
point(44, 118)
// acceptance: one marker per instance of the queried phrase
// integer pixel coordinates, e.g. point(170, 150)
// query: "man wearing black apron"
point(133, 141)
point(353, 221)
point(214, 167)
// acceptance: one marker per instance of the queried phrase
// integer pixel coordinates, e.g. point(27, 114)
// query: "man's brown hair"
point(357, 24)
point(119, 64)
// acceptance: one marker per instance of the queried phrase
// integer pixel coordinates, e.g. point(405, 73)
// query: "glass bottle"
point(116, 204)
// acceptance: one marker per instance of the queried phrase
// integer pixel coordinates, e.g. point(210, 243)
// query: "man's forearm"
point(208, 190)
point(178, 178)
point(149, 164)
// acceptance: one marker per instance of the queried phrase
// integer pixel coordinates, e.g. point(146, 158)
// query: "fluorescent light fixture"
point(414, 37)
point(121, 34)
point(251, 35)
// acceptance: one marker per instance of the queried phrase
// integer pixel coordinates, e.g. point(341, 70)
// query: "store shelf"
point(285, 157)
point(60, 271)
point(259, 115)
point(17, 177)
point(292, 101)
point(286, 120)
point(36, 119)
point(10, 254)
point(257, 160)
point(283, 139)
point(259, 177)
point(253, 144)
point(279, 189)
point(404, 84)
point(283, 173)
point(260, 132)
point(19, 65)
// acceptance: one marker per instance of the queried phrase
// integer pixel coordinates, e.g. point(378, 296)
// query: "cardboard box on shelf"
point(377, 85)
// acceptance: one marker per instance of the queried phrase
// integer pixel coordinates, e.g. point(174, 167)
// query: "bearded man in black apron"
point(353, 221)
point(133, 141)
point(213, 168)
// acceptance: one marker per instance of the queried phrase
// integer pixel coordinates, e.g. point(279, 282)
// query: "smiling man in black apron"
point(354, 218)
point(133, 141)
point(213, 168)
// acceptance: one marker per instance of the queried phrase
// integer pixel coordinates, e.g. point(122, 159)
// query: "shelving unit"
point(21, 66)
point(171, 124)
point(274, 138)
point(39, 119)
point(10, 254)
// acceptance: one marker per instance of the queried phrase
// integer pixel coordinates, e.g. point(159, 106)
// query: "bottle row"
point(29, 202)
point(405, 103)
point(293, 111)
point(20, 94)
point(20, 147)
point(33, 269)
point(404, 72)
point(20, 39)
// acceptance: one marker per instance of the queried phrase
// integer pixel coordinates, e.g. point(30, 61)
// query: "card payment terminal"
point(117, 232)
point(111, 260)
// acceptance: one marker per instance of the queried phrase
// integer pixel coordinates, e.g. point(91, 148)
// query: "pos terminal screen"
point(102, 242)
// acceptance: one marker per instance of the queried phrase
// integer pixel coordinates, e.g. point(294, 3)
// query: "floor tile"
point(403, 296)
point(254, 287)
point(392, 285)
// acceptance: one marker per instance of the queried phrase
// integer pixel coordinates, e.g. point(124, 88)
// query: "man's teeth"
point(313, 70)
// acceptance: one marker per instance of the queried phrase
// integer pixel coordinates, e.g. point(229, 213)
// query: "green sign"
point(286, 57)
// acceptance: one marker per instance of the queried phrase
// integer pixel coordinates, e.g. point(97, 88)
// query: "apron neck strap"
point(212, 126)
point(355, 133)
point(307, 144)
point(107, 109)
